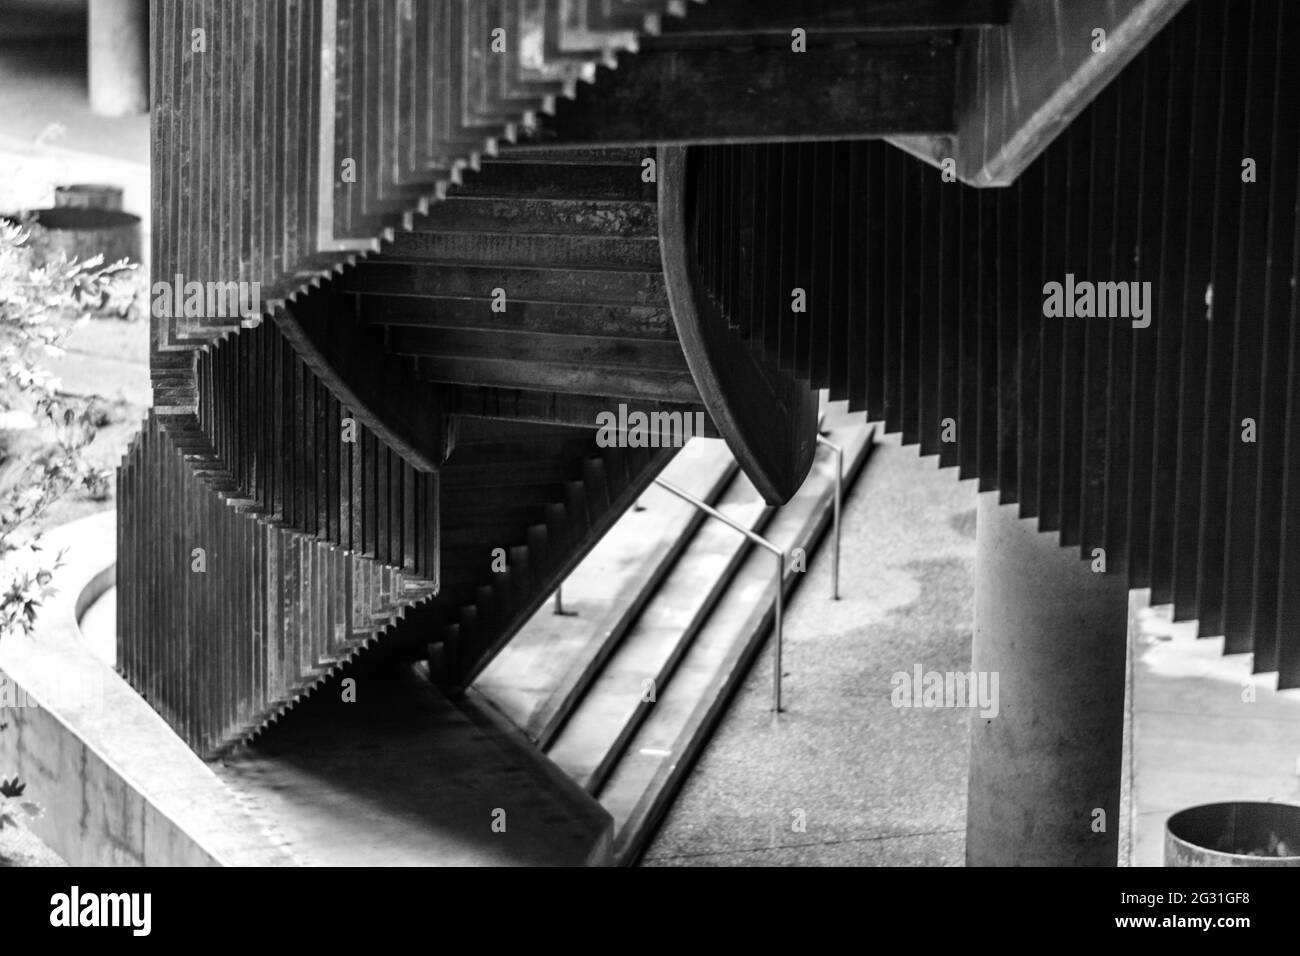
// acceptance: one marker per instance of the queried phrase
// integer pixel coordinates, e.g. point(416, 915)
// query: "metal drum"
point(1234, 834)
point(88, 196)
point(85, 232)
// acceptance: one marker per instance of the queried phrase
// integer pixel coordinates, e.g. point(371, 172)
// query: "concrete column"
point(118, 40)
point(1055, 633)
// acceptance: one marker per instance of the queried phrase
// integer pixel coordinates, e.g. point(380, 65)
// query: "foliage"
point(12, 805)
point(42, 431)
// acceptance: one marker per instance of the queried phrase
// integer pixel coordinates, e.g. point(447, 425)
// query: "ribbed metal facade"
point(1173, 448)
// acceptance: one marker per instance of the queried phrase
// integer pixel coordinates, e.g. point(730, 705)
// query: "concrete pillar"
point(1055, 632)
point(118, 41)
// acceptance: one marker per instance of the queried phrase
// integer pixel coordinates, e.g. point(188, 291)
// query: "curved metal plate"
point(768, 418)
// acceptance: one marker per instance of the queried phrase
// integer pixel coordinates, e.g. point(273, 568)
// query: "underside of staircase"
point(459, 277)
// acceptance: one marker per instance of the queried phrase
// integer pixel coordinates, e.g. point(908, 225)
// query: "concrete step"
point(666, 598)
point(593, 738)
point(539, 677)
point(653, 764)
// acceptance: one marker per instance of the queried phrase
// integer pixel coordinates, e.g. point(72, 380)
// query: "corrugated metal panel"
point(1134, 441)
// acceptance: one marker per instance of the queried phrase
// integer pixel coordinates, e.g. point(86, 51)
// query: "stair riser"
point(610, 322)
point(603, 287)
point(600, 773)
point(550, 252)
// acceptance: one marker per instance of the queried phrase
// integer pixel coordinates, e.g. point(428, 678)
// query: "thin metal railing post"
point(780, 628)
point(839, 491)
point(758, 539)
point(559, 603)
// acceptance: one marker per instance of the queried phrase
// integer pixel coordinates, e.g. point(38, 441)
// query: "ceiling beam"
point(762, 93)
point(724, 17)
point(1022, 84)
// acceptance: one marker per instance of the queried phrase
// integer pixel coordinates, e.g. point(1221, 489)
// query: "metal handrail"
point(839, 484)
point(559, 602)
point(762, 542)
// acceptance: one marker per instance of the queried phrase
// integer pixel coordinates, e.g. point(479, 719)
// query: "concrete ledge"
point(399, 775)
point(577, 802)
point(119, 788)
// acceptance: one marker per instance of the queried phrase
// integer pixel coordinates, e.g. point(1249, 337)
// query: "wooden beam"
point(607, 355)
point(1022, 84)
point(725, 17)
point(763, 93)
point(553, 408)
point(525, 372)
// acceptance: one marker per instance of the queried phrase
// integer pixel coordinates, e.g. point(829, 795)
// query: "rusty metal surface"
point(314, 543)
point(1234, 834)
point(226, 620)
point(1170, 442)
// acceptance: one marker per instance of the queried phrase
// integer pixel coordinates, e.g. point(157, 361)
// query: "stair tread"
point(612, 708)
point(656, 759)
point(537, 678)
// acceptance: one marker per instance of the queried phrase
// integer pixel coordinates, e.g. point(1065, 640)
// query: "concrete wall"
point(93, 815)
point(118, 787)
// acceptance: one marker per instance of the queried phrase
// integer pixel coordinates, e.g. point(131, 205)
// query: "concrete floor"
point(1205, 729)
point(873, 784)
point(883, 786)
point(401, 777)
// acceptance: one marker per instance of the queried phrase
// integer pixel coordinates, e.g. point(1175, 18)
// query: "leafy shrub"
point(12, 804)
point(43, 432)
point(40, 303)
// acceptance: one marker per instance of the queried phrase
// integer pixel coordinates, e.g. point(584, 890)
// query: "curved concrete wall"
point(119, 788)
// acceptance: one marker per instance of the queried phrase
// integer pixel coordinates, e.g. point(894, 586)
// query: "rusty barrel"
point(81, 232)
point(1234, 834)
point(88, 196)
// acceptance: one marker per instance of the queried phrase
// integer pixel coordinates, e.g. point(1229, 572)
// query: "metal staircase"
point(465, 256)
